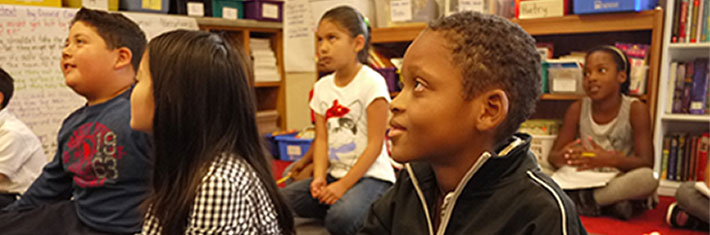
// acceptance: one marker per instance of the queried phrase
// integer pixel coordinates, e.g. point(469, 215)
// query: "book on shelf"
point(665, 155)
point(672, 157)
point(699, 88)
point(688, 82)
point(691, 21)
point(684, 156)
point(701, 164)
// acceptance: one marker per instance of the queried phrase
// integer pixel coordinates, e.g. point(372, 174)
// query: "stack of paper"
point(569, 178)
point(265, 68)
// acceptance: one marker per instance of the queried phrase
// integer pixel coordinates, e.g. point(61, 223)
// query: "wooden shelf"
point(215, 23)
point(668, 187)
point(686, 117)
point(267, 84)
point(561, 96)
point(704, 45)
point(571, 24)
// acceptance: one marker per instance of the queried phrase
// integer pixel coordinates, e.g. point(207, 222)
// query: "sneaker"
point(623, 210)
point(584, 201)
point(676, 217)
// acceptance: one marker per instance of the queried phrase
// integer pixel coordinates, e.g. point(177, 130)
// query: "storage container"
point(269, 10)
point(154, 6)
point(565, 76)
point(541, 145)
point(219, 5)
point(531, 9)
point(292, 148)
point(402, 12)
point(45, 3)
point(604, 6)
point(112, 4)
point(179, 7)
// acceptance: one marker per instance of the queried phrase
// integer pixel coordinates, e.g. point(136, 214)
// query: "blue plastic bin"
point(604, 6)
point(292, 148)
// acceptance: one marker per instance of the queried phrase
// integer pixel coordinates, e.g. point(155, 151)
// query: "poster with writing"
point(31, 40)
point(299, 38)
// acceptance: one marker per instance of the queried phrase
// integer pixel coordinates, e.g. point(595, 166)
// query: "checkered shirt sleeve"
point(230, 200)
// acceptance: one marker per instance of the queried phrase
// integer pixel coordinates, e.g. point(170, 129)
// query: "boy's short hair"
point(117, 30)
point(7, 87)
point(493, 52)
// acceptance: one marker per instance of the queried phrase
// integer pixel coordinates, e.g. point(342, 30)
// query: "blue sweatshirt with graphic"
point(102, 163)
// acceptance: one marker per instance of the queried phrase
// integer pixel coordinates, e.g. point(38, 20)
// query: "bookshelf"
point(673, 122)
point(567, 33)
point(269, 95)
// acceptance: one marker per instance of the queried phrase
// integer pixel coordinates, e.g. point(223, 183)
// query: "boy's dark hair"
point(621, 61)
point(493, 52)
point(7, 87)
point(352, 21)
point(117, 30)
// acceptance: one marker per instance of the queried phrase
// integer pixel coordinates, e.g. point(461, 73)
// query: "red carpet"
point(646, 223)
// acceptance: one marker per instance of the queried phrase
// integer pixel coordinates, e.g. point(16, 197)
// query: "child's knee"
point(343, 222)
point(643, 179)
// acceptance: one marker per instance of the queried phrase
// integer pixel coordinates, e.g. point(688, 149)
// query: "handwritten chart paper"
point(31, 40)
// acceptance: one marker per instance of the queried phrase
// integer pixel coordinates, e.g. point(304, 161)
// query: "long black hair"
point(621, 61)
point(204, 107)
point(351, 20)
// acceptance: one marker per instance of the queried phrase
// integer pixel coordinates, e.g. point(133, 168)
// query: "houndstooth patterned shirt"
point(231, 200)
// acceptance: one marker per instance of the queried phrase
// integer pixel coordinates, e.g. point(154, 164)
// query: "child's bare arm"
point(320, 156)
point(567, 135)
point(643, 143)
point(376, 125)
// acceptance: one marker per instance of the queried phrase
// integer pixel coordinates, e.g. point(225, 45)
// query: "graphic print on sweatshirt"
point(92, 155)
point(341, 123)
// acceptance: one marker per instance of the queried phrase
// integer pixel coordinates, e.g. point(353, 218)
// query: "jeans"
point(347, 215)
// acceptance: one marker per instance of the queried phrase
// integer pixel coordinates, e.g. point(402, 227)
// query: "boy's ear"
point(124, 58)
point(494, 106)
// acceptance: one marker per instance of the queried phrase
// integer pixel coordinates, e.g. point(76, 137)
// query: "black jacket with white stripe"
point(505, 193)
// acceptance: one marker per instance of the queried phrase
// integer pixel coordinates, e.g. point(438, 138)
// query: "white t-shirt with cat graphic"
point(345, 110)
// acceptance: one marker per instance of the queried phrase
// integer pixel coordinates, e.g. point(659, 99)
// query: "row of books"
point(691, 21)
point(688, 87)
point(685, 156)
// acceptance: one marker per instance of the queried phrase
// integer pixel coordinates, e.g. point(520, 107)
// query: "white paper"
point(569, 178)
point(31, 40)
point(471, 5)
point(564, 85)
point(195, 9)
point(541, 8)
point(270, 11)
point(401, 10)
point(299, 37)
point(230, 13)
point(95, 4)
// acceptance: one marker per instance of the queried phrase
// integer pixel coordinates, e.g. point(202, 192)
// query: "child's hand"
point(332, 193)
point(593, 157)
point(317, 186)
point(573, 149)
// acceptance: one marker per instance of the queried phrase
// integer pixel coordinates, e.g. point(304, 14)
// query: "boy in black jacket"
point(469, 81)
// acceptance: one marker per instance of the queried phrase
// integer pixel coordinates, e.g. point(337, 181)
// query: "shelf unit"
point(568, 33)
point(667, 122)
point(269, 95)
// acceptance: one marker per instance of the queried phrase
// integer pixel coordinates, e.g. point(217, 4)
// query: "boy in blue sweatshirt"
point(99, 175)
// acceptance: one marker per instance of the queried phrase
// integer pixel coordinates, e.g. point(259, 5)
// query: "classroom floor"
point(646, 223)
